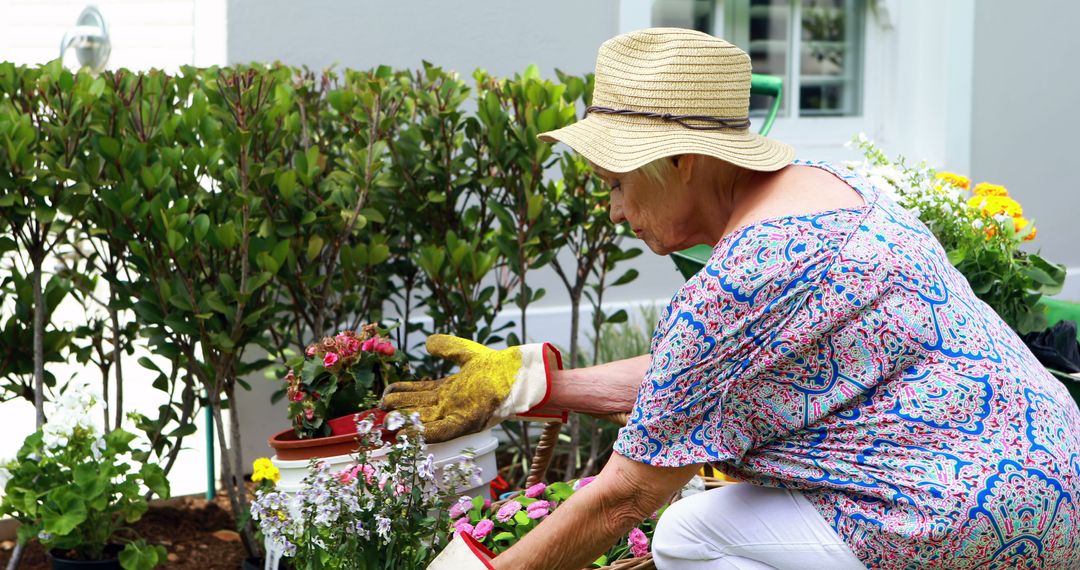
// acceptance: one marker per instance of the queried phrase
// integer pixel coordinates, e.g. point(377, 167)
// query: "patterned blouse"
point(839, 353)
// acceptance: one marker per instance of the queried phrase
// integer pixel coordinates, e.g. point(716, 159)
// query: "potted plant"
point(74, 488)
point(372, 514)
point(338, 377)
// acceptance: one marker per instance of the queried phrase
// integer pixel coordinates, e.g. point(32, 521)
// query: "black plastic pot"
point(252, 563)
point(59, 562)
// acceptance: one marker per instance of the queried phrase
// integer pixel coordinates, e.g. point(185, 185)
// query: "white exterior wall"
point(1025, 122)
point(163, 34)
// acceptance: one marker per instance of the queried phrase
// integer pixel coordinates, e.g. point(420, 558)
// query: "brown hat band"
point(718, 122)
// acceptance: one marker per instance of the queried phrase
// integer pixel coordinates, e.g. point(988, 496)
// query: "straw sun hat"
point(668, 91)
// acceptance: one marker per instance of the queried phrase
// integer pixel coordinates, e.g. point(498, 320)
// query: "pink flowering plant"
point(341, 375)
point(500, 526)
point(377, 513)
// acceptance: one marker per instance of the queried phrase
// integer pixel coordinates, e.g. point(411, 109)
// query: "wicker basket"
point(545, 449)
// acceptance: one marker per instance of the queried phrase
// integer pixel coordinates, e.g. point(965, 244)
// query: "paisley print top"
point(840, 353)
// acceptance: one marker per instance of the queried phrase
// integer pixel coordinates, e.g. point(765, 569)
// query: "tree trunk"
point(231, 473)
point(39, 337)
point(119, 403)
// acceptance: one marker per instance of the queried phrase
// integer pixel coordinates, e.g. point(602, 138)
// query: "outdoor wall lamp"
point(90, 38)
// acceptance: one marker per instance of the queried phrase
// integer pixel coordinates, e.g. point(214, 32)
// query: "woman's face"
point(658, 213)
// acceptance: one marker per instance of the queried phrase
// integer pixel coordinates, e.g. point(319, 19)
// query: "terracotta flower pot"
point(342, 440)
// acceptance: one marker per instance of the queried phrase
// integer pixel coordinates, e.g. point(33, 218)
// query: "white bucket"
point(481, 444)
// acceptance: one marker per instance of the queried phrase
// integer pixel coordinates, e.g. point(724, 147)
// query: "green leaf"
point(201, 226)
point(110, 147)
point(64, 511)
point(174, 239)
point(314, 247)
point(522, 518)
point(548, 119)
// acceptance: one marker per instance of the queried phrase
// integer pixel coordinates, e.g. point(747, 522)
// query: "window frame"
point(806, 132)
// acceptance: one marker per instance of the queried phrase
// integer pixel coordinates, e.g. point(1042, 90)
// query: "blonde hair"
point(659, 170)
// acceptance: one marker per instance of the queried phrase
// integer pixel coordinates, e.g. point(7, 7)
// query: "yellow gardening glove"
point(492, 386)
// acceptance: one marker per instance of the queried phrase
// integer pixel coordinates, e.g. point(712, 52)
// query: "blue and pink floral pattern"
point(840, 353)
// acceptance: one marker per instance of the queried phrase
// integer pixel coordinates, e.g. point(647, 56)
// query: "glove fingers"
point(419, 386)
point(415, 401)
point(444, 429)
point(454, 348)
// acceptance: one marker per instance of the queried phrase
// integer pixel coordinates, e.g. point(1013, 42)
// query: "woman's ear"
point(684, 164)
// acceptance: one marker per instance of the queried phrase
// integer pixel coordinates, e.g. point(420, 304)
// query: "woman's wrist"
point(603, 389)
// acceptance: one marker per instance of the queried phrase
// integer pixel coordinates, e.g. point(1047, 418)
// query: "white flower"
point(977, 224)
point(394, 420)
point(363, 427)
point(382, 526)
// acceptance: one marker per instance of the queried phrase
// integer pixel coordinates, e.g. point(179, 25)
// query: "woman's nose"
point(615, 212)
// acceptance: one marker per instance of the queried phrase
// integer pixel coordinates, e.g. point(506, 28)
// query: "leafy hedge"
point(225, 217)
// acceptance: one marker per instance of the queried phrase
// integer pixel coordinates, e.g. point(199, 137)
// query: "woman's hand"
point(580, 530)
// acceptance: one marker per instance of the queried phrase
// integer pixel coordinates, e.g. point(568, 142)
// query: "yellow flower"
point(994, 205)
point(262, 463)
point(988, 189)
point(955, 179)
point(262, 469)
point(1020, 223)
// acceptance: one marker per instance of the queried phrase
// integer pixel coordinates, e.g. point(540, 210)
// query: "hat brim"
point(620, 145)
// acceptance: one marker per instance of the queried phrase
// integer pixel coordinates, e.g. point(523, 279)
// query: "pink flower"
point(309, 414)
point(535, 491)
point(482, 529)
point(461, 507)
point(538, 505)
point(352, 345)
point(369, 473)
point(462, 525)
point(349, 475)
point(639, 543)
point(330, 359)
point(385, 348)
point(297, 396)
point(507, 511)
point(583, 481)
point(310, 351)
point(400, 489)
point(537, 513)
point(487, 503)
point(369, 344)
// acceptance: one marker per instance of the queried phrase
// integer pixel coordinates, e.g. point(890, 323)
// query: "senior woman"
point(828, 355)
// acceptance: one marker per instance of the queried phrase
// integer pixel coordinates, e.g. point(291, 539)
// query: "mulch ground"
point(189, 528)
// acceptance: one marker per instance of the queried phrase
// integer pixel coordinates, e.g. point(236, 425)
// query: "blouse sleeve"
point(751, 348)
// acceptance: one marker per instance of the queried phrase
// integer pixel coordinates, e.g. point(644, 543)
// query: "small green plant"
point(74, 489)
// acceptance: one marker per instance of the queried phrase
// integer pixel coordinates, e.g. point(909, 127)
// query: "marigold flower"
point(955, 179)
point(988, 189)
point(994, 205)
point(1020, 223)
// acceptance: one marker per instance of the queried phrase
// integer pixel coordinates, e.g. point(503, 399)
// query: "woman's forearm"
point(602, 389)
point(596, 516)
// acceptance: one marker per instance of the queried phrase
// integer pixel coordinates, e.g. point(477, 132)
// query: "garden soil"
point(199, 535)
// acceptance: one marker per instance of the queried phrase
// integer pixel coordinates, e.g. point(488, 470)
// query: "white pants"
point(747, 527)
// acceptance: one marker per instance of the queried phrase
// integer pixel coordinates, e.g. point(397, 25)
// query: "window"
point(815, 45)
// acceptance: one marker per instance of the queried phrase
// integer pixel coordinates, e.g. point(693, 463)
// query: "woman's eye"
point(616, 185)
